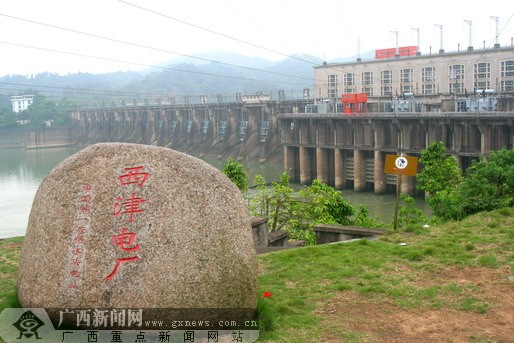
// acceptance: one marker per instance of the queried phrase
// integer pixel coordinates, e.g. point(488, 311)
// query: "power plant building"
point(435, 80)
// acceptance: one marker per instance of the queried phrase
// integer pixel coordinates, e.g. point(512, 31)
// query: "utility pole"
point(497, 35)
point(470, 44)
point(440, 27)
point(416, 29)
point(397, 51)
point(359, 49)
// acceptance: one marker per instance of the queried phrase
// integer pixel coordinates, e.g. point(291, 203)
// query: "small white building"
point(21, 102)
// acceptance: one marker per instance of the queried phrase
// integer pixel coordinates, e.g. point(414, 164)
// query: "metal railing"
point(400, 115)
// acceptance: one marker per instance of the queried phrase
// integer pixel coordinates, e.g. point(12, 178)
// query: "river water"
point(21, 172)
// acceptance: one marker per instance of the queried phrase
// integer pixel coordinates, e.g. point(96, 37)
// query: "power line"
point(88, 93)
point(215, 32)
point(222, 34)
point(145, 65)
point(81, 90)
point(56, 94)
point(149, 47)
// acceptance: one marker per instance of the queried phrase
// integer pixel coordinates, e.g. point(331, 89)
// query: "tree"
point(440, 171)
point(43, 109)
point(298, 212)
point(326, 205)
point(236, 172)
point(281, 205)
point(410, 217)
point(364, 219)
point(276, 202)
point(488, 185)
point(7, 117)
point(258, 202)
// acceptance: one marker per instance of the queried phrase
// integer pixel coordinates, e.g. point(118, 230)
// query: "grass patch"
point(383, 270)
point(474, 304)
point(406, 277)
point(9, 256)
point(488, 261)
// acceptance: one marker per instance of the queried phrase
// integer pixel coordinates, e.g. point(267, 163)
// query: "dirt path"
point(382, 321)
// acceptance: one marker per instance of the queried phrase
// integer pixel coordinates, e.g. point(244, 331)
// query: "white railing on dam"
point(404, 115)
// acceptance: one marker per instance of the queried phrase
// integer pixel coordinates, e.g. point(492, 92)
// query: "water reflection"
point(21, 172)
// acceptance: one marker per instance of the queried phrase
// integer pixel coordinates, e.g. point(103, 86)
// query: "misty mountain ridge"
point(211, 73)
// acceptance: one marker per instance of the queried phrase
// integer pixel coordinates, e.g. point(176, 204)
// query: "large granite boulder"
point(134, 226)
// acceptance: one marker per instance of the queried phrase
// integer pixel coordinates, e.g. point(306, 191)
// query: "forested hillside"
point(203, 75)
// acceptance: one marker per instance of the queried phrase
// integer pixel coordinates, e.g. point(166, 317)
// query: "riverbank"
point(452, 282)
point(22, 170)
point(35, 138)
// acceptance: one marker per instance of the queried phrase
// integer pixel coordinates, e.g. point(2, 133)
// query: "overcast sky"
point(56, 35)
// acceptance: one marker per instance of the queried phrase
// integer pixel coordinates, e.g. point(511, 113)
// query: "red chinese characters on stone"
point(124, 240)
point(76, 261)
point(134, 175)
point(78, 236)
point(128, 206)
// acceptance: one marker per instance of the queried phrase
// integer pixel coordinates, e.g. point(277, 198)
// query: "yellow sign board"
point(401, 165)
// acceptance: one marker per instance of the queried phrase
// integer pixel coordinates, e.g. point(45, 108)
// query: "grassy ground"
point(451, 283)
point(9, 255)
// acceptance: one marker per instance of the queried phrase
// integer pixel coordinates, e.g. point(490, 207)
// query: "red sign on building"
point(403, 51)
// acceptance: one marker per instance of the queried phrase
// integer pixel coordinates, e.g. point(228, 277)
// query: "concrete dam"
point(244, 130)
point(345, 151)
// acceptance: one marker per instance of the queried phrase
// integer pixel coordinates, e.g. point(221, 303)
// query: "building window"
point(407, 89)
point(456, 87)
point(507, 68)
point(332, 93)
point(428, 89)
point(367, 82)
point(349, 83)
point(462, 106)
point(406, 75)
point(482, 70)
point(387, 90)
point(368, 90)
point(367, 78)
point(332, 86)
point(386, 77)
point(386, 80)
point(483, 85)
point(428, 74)
point(507, 86)
point(349, 80)
point(332, 80)
point(456, 72)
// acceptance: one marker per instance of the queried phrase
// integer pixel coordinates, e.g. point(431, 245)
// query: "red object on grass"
point(267, 295)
